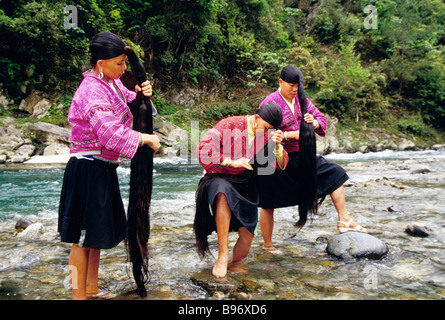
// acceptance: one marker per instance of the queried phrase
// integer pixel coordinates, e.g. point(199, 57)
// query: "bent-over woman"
point(233, 153)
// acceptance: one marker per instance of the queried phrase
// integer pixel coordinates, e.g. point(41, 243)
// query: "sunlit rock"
point(353, 244)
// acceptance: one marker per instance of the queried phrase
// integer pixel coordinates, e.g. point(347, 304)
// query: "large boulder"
point(36, 104)
point(328, 143)
point(15, 146)
point(173, 138)
point(22, 153)
point(353, 244)
point(47, 133)
point(11, 137)
point(56, 148)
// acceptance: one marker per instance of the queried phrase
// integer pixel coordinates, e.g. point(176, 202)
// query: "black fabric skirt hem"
point(283, 187)
point(242, 200)
point(91, 206)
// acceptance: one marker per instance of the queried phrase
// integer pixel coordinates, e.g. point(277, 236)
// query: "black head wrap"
point(271, 113)
point(106, 45)
point(292, 74)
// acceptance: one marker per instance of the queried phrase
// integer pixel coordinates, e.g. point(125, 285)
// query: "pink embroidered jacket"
point(291, 121)
point(229, 138)
point(100, 119)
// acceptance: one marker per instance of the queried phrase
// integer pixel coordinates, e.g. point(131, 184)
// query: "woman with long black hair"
point(308, 179)
point(233, 153)
point(91, 211)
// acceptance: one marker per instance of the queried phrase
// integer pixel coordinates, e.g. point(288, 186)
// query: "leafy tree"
point(355, 73)
point(427, 95)
point(351, 89)
point(313, 68)
point(37, 51)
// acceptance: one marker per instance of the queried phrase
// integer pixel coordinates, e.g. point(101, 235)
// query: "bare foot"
point(79, 295)
point(238, 267)
point(100, 295)
point(220, 267)
point(273, 250)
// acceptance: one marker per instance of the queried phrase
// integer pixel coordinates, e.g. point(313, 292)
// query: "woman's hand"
point(150, 140)
point(309, 118)
point(146, 89)
point(241, 163)
point(277, 137)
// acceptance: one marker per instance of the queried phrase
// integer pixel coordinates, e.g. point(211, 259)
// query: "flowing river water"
point(387, 191)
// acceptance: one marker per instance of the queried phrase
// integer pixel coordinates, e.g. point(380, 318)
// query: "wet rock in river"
point(33, 232)
point(209, 283)
point(22, 224)
point(418, 231)
point(393, 208)
point(352, 244)
point(233, 285)
point(420, 169)
point(322, 239)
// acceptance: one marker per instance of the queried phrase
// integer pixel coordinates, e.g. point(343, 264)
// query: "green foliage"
point(313, 68)
point(263, 67)
point(10, 71)
point(161, 104)
point(357, 74)
point(37, 51)
point(427, 95)
point(217, 112)
point(209, 114)
point(412, 124)
point(326, 26)
point(352, 90)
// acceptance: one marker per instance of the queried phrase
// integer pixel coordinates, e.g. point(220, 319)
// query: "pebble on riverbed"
point(32, 232)
point(232, 286)
point(418, 231)
point(22, 224)
point(208, 282)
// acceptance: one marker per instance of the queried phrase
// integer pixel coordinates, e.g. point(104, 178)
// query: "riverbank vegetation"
point(369, 63)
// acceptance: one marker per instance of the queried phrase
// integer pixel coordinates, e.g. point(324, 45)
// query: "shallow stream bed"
point(387, 191)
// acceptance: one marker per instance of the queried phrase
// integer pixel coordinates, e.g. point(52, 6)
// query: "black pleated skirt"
point(242, 198)
point(283, 187)
point(91, 211)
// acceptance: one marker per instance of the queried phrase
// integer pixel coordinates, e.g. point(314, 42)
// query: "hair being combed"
point(204, 222)
point(307, 162)
point(141, 183)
